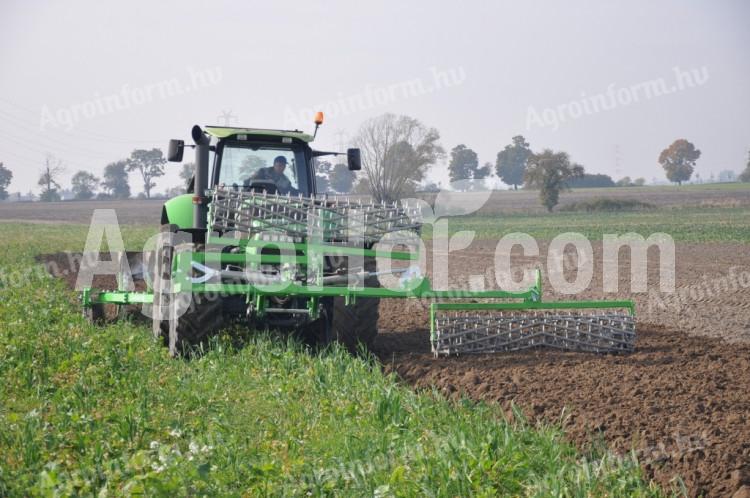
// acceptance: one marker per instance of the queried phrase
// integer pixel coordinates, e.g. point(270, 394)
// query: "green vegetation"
point(693, 187)
point(607, 204)
point(684, 225)
point(86, 409)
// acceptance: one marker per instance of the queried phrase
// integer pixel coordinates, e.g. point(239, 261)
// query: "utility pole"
point(341, 142)
point(227, 117)
point(618, 170)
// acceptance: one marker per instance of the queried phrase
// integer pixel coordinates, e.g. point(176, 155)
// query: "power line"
point(96, 135)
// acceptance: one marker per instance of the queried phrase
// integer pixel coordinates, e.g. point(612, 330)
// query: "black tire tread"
point(356, 323)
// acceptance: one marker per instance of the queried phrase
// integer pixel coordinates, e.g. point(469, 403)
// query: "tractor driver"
point(275, 174)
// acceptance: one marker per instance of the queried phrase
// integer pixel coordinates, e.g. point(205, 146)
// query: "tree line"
point(114, 184)
point(397, 152)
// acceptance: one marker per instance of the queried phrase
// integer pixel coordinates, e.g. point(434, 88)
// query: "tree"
point(48, 179)
point(397, 151)
point(550, 172)
point(323, 171)
point(745, 175)
point(463, 163)
point(483, 172)
point(174, 192)
point(250, 165)
point(639, 182)
point(342, 180)
point(477, 182)
point(511, 162)
point(727, 175)
point(186, 174)
point(624, 182)
point(84, 185)
point(678, 160)
point(6, 176)
point(150, 164)
point(430, 188)
point(116, 180)
point(595, 180)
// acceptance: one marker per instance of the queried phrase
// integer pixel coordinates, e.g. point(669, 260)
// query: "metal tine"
point(472, 332)
point(376, 219)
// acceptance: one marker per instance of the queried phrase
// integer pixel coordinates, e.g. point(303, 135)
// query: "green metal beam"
point(325, 249)
point(551, 305)
point(118, 297)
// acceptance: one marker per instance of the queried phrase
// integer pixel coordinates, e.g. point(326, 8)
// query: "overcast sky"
point(88, 81)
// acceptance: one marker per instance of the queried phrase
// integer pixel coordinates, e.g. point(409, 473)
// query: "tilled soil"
point(681, 402)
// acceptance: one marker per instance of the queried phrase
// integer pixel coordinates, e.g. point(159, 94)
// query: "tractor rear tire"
point(317, 334)
point(355, 324)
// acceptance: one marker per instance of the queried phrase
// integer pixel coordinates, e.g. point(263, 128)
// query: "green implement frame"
point(309, 255)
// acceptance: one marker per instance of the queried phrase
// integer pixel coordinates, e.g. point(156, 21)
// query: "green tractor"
point(252, 242)
point(276, 166)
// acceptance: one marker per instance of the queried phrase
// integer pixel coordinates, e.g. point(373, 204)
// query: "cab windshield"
point(244, 164)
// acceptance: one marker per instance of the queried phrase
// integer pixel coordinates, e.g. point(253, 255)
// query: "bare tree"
point(48, 179)
point(397, 151)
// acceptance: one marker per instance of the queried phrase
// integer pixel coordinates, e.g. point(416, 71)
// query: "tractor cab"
point(249, 160)
point(274, 161)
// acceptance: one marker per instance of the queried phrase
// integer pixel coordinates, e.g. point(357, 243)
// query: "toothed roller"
point(488, 331)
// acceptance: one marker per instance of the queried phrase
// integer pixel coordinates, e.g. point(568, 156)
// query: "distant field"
point(131, 212)
point(683, 225)
point(713, 195)
point(726, 195)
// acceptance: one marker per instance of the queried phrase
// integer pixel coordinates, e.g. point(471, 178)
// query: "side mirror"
point(353, 159)
point(176, 148)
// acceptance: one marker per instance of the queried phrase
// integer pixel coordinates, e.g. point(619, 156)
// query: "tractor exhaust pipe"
point(200, 201)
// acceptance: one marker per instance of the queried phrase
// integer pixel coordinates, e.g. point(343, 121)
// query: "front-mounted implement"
point(257, 255)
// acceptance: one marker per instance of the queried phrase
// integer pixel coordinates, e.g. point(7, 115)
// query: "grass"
point(684, 225)
point(606, 204)
point(727, 187)
point(104, 411)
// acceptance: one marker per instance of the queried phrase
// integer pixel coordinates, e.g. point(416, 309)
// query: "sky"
point(611, 83)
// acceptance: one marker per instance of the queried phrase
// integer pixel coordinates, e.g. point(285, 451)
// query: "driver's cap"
point(280, 159)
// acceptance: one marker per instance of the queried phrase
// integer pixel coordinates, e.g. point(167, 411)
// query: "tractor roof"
point(228, 131)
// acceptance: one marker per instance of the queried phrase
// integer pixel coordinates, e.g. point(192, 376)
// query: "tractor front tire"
point(179, 323)
point(203, 318)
